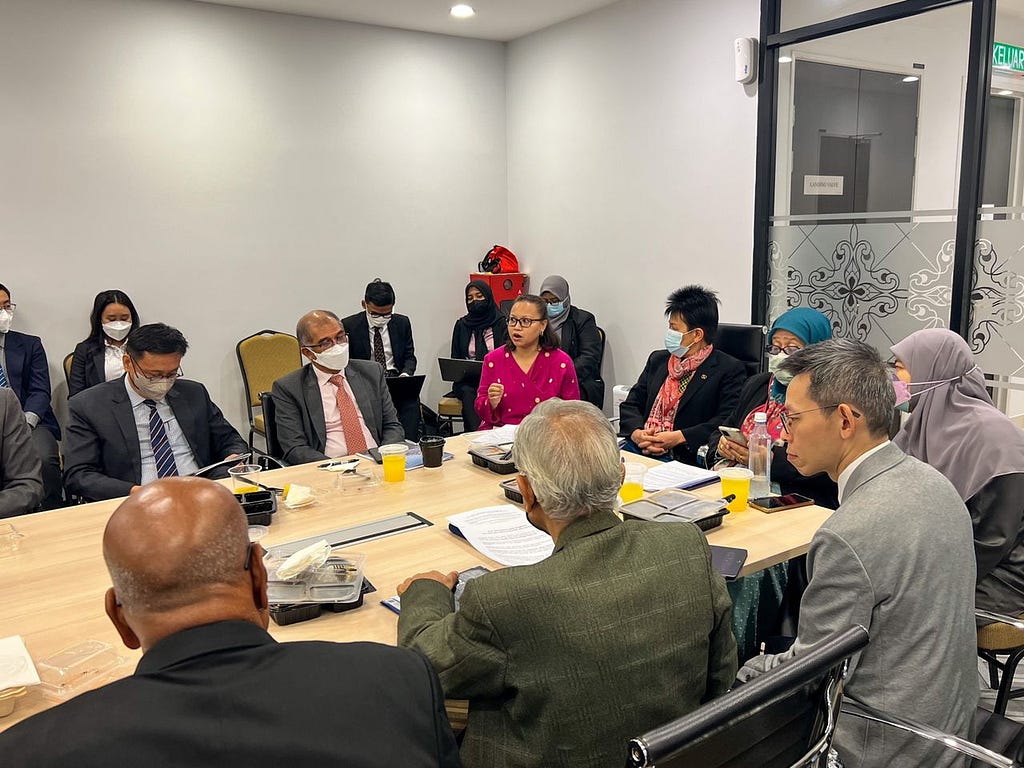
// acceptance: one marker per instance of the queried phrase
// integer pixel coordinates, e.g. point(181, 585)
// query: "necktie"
point(162, 453)
point(354, 440)
point(3, 378)
point(378, 349)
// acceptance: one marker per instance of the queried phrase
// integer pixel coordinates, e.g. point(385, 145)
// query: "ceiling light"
point(1005, 93)
point(785, 59)
point(462, 11)
point(911, 79)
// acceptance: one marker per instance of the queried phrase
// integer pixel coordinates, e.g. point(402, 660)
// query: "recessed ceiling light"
point(911, 79)
point(462, 11)
point(785, 59)
point(1005, 93)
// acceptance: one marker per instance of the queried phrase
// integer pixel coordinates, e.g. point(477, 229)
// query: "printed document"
point(503, 534)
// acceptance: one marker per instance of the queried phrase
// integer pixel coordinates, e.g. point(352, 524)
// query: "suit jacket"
point(102, 458)
point(21, 481)
point(897, 557)
point(581, 341)
point(29, 376)
point(400, 332)
point(299, 410)
point(88, 366)
point(624, 627)
point(226, 695)
point(710, 397)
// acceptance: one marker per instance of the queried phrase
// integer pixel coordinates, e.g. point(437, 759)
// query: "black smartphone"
point(779, 503)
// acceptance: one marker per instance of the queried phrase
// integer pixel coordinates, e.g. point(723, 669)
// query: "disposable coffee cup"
point(432, 448)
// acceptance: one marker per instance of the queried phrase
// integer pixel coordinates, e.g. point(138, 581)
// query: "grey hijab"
point(560, 287)
point(955, 427)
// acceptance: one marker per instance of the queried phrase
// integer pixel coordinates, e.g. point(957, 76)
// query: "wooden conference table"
point(52, 588)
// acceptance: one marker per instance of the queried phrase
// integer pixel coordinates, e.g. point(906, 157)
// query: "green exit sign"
point(1006, 56)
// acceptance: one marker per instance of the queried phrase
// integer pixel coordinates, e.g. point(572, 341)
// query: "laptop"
point(460, 370)
point(403, 388)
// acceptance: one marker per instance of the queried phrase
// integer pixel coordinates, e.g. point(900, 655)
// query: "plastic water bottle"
point(760, 448)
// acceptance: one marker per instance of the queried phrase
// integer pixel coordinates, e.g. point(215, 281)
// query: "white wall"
point(631, 163)
point(231, 169)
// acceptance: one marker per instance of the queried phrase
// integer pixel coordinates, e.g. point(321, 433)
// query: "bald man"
point(213, 688)
point(335, 406)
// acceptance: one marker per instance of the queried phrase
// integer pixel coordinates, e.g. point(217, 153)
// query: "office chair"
point(270, 427)
point(599, 382)
point(67, 367)
point(782, 719)
point(263, 358)
point(744, 342)
point(1004, 637)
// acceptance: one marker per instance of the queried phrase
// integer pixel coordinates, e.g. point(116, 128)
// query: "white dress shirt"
point(113, 361)
point(183, 457)
point(336, 445)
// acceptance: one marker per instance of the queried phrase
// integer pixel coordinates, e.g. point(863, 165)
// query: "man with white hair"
point(624, 627)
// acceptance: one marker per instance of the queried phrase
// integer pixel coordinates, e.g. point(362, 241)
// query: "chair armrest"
point(964, 747)
point(1014, 621)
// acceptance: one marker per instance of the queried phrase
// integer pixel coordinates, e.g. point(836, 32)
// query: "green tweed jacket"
point(623, 628)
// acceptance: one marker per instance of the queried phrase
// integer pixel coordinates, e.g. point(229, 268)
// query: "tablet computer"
point(403, 388)
point(460, 370)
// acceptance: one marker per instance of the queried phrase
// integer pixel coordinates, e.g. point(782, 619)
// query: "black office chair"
point(598, 393)
point(270, 425)
point(744, 342)
point(782, 719)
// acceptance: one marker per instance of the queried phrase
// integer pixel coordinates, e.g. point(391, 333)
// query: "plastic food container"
point(259, 506)
point(496, 458)
point(338, 580)
point(7, 698)
point(77, 668)
point(674, 506)
point(511, 489)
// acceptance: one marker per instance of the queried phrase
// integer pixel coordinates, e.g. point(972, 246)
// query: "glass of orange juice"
point(244, 476)
point(393, 459)
point(736, 481)
point(632, 483)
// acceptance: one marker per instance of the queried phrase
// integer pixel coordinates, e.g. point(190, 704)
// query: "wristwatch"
point(702, 456)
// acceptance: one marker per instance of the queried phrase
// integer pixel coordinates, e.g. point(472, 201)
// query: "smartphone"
point(734, 434)
point(779, 503)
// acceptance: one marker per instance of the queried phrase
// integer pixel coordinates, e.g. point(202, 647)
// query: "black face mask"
point(476, 307)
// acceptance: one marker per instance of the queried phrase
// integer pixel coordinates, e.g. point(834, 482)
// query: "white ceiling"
point(494, 20)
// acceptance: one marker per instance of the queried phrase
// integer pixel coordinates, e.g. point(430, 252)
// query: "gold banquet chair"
point(1005, 637)
point(263, 358)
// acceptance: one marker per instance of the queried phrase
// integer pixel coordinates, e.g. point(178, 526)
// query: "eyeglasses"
point(788, 420)
point(9, 307)
point(523, 322)
point(775, 349)
point(383, 315)
point(248, 555)
point(326, 344)
point(154, 377)
point(554, 300)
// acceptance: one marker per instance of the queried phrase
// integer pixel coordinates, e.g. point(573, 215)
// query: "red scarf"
point(680, 370)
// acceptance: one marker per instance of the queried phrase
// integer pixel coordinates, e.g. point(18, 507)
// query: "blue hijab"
point(808, 325)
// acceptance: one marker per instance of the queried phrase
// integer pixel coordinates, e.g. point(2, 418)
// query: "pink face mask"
point(902, 390)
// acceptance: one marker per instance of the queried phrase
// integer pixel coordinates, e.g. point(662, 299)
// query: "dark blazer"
point(227, 695)
point(102, 458)
point(625, 626)
point(87, 366)
point(710, 397)
point(29, 376)
point(21, 482)
point(819, 487)
point(581, 341)
point(299, 410)
point(399, 331)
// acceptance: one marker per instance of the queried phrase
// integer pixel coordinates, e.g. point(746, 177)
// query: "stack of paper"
point(674, 474)
point(506, 434)
point(502, 534)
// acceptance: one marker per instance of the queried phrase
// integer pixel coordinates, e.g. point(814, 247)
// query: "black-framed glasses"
point(248, 555)
point(154, 377)
point(9, 307)
point(788, 419)
point(381, 315)
point(323, 346)
point(775, 349)
point(523, 322)
point(554, 300)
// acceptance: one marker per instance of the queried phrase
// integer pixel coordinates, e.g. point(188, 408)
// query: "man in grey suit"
point(21, 482)
point(897, 557)
point(624, 627)
point(335, 406)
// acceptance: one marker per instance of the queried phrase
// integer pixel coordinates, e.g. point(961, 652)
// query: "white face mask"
point(378, 322)
point(117, 330)
point(335, 358)
point(6, 316)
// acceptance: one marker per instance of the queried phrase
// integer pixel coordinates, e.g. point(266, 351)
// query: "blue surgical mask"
point(554, 310)
point(674, 341)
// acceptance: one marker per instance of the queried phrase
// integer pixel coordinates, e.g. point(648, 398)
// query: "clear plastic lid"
point(78, 668)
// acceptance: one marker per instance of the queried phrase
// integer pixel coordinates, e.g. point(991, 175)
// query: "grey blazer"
point(21, 484)
point(897, 557)
point(301, 429)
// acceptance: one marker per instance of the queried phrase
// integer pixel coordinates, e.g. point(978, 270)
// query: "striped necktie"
point(3, 378)
point(354, 440)
point(162, 453)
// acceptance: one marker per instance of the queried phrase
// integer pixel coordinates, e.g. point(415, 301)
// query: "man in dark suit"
point(378, 334)
point(23, 368)
point(687, 389)
point(624, 627)
point(148, 424)
point(213, 688)
point(21, 484)
point(335, 406)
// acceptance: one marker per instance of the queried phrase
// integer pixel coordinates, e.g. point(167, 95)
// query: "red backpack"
point(499, 259)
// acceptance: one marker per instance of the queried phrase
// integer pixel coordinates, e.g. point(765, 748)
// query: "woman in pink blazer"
point(528, 369)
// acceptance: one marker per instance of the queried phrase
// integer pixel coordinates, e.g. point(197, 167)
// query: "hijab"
point(557, 285)
point(955, 427)
point(477, 324)
point(808, 325)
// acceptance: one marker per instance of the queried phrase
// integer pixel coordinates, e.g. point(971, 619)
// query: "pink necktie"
point(354, 440)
